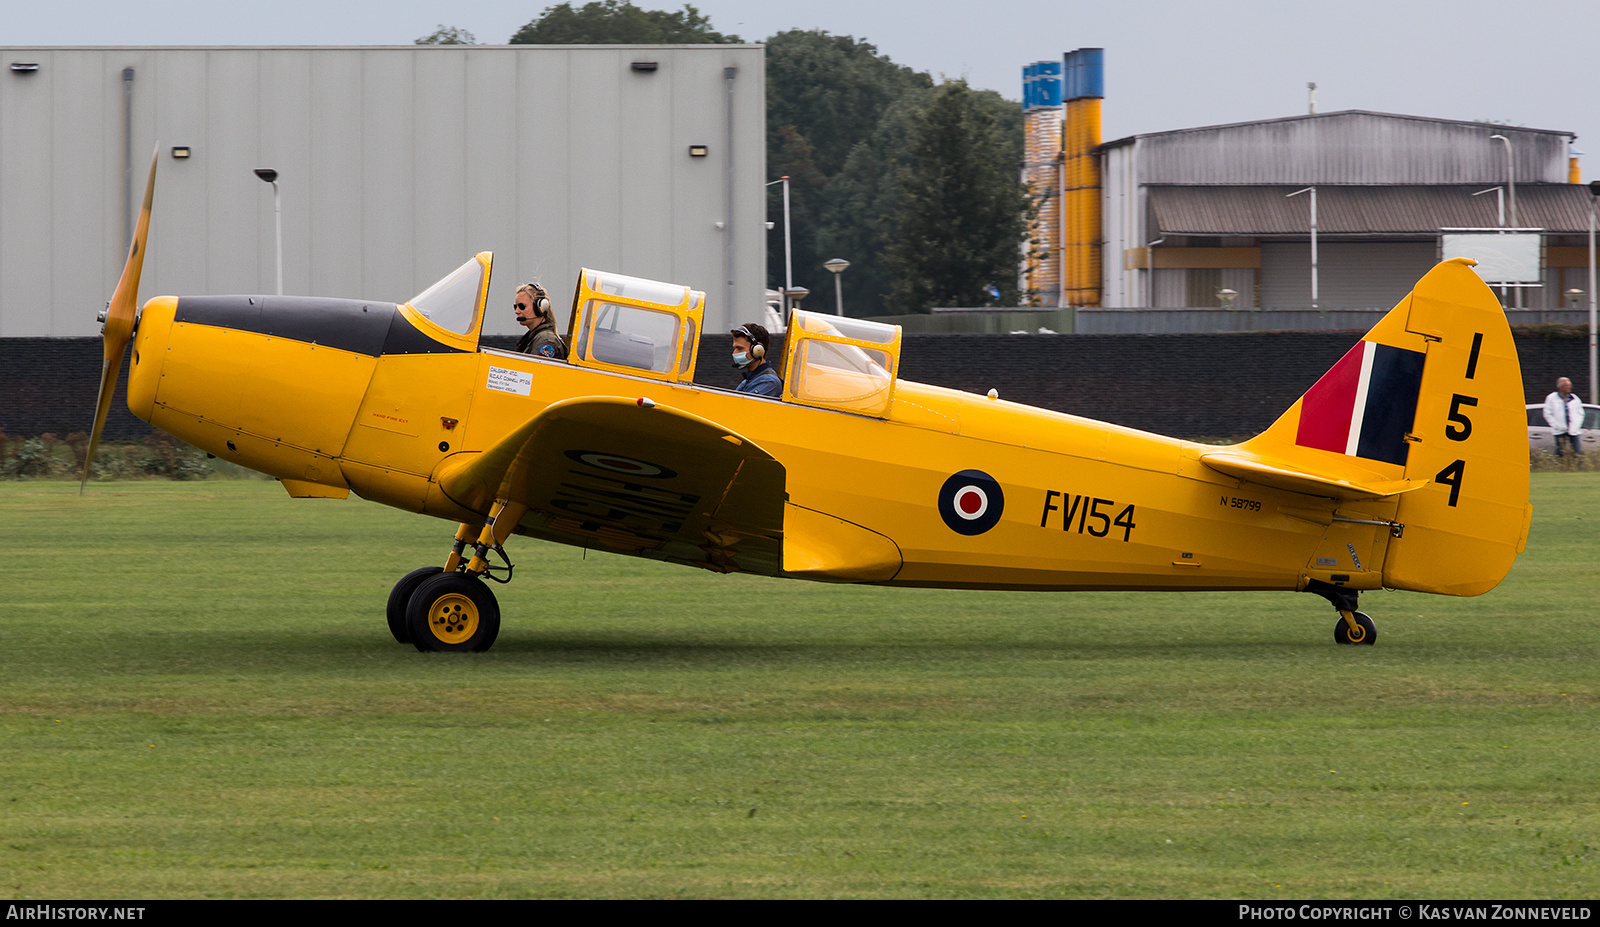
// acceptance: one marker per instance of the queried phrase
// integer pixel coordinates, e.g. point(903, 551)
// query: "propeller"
point(119, 320)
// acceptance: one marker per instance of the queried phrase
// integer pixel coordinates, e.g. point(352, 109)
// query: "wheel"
point(400, 595)
point(1368, 630)
point(452, 612)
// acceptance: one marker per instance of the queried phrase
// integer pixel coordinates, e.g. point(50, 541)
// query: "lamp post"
point(1500, 196)
point(788, 254)
point(1511, 177)
point(1313, 192)
point(794, 294)
point(837, 266)
point(1594, 377)
point(271, 176)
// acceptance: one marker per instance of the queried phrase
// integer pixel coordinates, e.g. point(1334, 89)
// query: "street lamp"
point(271, 176)
point(1313, 192)
point(1511, 177)
point(788, 255)
point(794, 294)
point(1594, 378)
point(837, 266)
point(1500, 196)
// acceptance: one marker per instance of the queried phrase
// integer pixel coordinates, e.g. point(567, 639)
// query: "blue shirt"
point(763, 381)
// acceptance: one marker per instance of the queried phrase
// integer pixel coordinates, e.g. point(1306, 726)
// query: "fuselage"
point(363, 396)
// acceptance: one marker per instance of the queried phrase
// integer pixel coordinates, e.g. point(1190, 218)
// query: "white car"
point(1539, 433)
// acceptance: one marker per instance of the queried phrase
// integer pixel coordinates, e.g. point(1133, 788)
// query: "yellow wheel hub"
point(1355, 632)
point(453, 618)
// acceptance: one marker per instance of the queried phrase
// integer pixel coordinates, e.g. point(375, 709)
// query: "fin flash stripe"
point(1364, 406)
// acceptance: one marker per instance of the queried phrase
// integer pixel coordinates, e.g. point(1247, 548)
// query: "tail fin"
point(1428, 408)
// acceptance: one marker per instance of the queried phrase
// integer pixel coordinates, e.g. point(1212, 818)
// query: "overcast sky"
point(1169, 65)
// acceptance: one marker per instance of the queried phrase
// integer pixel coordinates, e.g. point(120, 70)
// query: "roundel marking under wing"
point(616, 463)
point(971, 502)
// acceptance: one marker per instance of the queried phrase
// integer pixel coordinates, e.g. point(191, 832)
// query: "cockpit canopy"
point(631, 325)
point(835, 362)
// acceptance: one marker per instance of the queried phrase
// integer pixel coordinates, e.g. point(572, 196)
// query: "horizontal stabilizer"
point(1258, 470)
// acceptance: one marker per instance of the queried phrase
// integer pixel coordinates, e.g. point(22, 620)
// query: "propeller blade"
point(120, 318)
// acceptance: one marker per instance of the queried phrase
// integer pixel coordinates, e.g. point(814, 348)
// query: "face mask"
point(740, 358)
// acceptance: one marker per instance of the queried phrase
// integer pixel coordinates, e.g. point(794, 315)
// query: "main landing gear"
point(1353, 627)
point(450, 608)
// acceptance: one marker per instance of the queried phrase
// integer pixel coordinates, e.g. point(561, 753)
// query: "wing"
point(636, 477)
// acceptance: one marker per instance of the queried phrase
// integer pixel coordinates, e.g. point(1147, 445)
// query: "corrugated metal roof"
point(1306, 117)
point(1350, 147)
point(1361, 210)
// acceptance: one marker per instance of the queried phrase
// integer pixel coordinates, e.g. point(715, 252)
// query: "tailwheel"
point(1355, 628)
point(452, 612)
point(400, 596)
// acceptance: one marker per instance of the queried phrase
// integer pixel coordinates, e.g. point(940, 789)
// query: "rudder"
point(1465, 527)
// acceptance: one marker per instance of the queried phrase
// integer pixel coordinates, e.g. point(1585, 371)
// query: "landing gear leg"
point(1354, 627)
point(451, 608)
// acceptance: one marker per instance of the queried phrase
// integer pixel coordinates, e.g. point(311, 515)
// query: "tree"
point(448, 35)
point(863, 202)
point(619, 22)
point(825, 93)
point(963, 209)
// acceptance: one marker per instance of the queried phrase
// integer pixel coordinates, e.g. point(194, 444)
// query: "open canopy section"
point(631, 325)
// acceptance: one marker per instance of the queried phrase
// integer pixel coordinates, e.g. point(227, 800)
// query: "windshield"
point(452, 303)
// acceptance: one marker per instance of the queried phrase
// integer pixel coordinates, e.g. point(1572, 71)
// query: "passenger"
point(533, 313)
point(750, 353)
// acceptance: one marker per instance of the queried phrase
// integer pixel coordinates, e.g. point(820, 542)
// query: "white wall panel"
point(284, 145)
point(388, 265)
point(184, 206)
point(439, 182)
point(395, 165)
point(333, 208)
point(490, 190)
point(649, 161)
point(546, 207)
point(25, 202)
point(240, 253)
point(78, 256)
point(594, 159)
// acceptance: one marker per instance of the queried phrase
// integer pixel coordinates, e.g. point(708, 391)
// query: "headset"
point(757, 351)
point(541, 302)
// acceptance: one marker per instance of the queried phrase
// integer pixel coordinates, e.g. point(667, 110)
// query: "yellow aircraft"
point(1404, 467)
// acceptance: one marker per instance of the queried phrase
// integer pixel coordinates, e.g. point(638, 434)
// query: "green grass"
point(199, 698)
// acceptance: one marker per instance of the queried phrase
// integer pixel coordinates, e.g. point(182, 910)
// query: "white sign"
point(510, 381)
point(1510, 257)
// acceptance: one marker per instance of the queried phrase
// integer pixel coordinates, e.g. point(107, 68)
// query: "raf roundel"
point(616, 463)
point(971, 502)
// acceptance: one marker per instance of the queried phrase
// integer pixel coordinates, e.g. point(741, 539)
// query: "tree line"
point(915, 182)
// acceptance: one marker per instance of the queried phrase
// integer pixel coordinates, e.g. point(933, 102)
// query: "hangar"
point(1193, 212)
point(395, 164)
point(1219, 215)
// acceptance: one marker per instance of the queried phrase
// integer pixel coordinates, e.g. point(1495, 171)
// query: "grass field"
point(199, 698)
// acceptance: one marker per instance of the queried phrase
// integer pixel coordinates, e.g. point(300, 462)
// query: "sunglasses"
point(520, 305)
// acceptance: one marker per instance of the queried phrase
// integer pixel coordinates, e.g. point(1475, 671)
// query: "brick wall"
point(1186, 385)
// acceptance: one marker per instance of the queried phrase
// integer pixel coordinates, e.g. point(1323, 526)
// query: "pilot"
point(533, 313)
point(750, 354)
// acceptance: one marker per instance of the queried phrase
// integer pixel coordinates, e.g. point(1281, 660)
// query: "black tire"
point(1369, 631)
point(400, 595)
point(453, 612)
